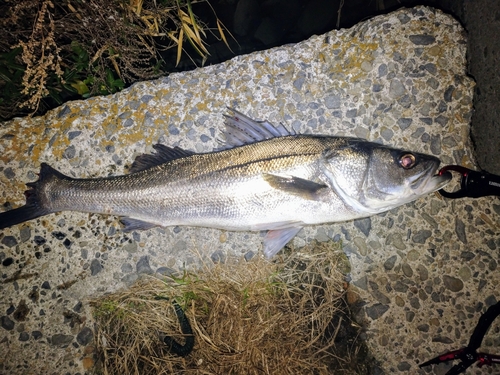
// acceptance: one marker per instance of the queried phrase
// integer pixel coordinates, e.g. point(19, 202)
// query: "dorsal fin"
point(242, 130)
point(162, 155)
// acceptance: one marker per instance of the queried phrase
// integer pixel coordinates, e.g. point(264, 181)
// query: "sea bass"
point(268, 179)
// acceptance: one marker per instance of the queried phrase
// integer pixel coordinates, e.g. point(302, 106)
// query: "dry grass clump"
point(54, 50)
point(252, 317)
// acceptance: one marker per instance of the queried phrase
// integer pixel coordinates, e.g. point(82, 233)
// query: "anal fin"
point(276, 239)
point(135, 224)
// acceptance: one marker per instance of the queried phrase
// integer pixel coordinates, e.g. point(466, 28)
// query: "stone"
point(85, 336)
point(7, 323)
point(452, 283)
point(95, 267)
point(364, 225)
point(9, 241)
point(460, 230)
point(143, 267)
point(423, 273)
point(422, 39)
point(218, 257)
point(407, 270)
point(404, 366)
point(442, 339)
point(61, 340)
point(389, 263)
point(421, 236)
point(126, 268)
point(376, 311)
point(400, 287)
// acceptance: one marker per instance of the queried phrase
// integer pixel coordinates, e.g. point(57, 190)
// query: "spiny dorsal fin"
point(162, 155)
point(242, 130)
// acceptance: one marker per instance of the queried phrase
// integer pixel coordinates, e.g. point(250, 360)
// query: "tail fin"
point(33, 207)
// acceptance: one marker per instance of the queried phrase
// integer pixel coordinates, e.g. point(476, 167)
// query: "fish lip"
point(432, 182)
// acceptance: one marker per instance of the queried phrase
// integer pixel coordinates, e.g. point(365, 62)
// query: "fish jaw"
point(433, 183)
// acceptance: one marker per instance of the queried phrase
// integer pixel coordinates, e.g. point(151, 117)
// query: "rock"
point(423, 273)
point(408, 272)
point(410, 315)
point(452, 283)
point(25, 234)
point(404, 366)
point(442, 339)
point(9, 241)
point(95, 267)
point(143, 267)
point(165, 271)
point(21, 312)
point(7, 323)
point(85, 336)
point(218, 257)
point(400, 287)
point(491, 300)
point(389, 263)
point(460, 230)
point(61, 340)
point(422, 40)
point(376, 311)
point(127, 268)
point(249, 255)
point(421, 236)
point(423, 327)
point(361, 245)
point(364, 225)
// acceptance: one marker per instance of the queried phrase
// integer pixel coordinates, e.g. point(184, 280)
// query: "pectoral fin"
point(295, 185)
point(276, 239)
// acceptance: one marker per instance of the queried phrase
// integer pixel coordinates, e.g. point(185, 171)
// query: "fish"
point(264, 178)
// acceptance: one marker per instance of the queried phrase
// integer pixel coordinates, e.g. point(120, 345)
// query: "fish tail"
point(34, 207)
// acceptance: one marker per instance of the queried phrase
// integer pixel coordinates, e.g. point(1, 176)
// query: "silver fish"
point(269, 179)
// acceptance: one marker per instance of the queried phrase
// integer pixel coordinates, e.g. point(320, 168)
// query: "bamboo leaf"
point(222, 35)
point(193, 21)
point(179, 47)
point(196, 40)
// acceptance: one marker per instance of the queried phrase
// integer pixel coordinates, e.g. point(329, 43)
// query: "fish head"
point(374, 178)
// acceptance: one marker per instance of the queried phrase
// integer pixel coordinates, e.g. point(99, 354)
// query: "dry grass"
point(122, 40)
point(252, 317)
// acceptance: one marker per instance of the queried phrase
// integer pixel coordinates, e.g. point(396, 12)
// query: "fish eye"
point(407, 161)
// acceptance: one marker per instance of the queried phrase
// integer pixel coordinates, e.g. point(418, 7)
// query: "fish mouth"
point(430, 182)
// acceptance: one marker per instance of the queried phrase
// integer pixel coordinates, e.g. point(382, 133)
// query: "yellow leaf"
point(222, 35)
point(171, 35)
point(179, 47)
